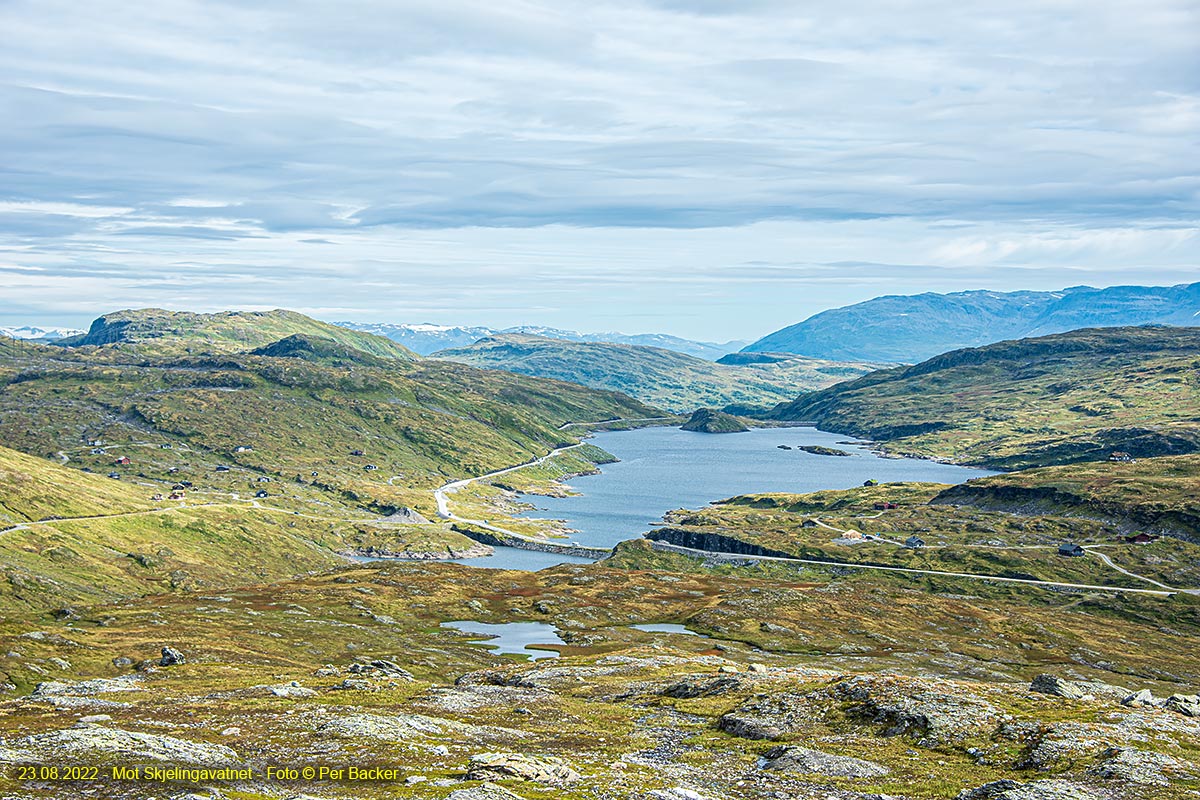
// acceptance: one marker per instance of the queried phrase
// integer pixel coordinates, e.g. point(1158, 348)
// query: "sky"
point(710, 169)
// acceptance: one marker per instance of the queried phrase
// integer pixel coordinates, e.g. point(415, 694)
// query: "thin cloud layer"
point(531, 161)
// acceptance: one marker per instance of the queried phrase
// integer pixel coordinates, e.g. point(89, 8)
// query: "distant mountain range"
point(912, 328)
point(38, 334)
point(426, 338)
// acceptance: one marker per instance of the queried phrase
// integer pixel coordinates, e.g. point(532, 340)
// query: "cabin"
point(1121, 457)
point(914, 542)
point(261, 493)
point(885, 506)
point(853, 534)
point(1070, 550)
point(98, 451)
point(263, 479)
point(370, 467)
point(175, 496)
point(1141, 538)
point(156, 498)
point(809, 523)
point(357, 453)
point(870, 483)
point(165, 446)
point(123, 460)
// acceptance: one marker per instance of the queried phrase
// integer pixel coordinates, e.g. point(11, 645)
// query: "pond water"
point(662, 469)
point(512, 637)
point(667, 627)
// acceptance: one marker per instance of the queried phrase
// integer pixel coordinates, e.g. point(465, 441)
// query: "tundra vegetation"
point(226, 628)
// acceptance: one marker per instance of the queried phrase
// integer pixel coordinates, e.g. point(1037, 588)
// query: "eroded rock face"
point(94, 742)
point(815, 762)
point(506, 766)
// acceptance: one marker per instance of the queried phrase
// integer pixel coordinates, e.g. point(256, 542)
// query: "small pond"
point(519, 638)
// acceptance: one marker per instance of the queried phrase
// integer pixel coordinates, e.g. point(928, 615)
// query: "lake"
point(662, 469)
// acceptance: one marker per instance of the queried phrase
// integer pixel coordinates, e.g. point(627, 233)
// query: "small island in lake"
point(708, 420)
point(819, 450)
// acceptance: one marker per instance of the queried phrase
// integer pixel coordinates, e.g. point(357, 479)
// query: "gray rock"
point(121, 662)
point(382, 667)
point(97, 742)
point(88, 688)
point(1052, 684)
point(488, 791)
point(702, 687)
point(676, 793)
point(1137, 766)
point(1037, 790)
point(171, 657)
point(401, 727)
point(1140, 699)
point(506, 766)
point(814, 762)
point(1186, 704)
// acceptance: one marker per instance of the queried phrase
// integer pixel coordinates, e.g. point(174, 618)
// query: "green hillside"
point(159, 332)
point(664, 378)
point(1058, 399)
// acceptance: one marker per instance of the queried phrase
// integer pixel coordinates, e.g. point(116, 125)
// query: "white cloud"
point(530, 147)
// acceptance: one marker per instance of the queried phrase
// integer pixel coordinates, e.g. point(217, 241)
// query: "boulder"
point(506, 766)
point(815, 762)
point(171, 657)
point(1186, 704)
point(1052, 684)
point(1140, 699)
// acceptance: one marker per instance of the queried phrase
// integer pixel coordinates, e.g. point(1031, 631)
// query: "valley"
point(223, 551)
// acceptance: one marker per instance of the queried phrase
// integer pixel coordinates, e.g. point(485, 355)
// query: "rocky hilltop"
point(707, 420)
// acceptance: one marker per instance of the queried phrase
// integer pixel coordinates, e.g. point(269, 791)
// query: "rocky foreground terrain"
point(350, 669)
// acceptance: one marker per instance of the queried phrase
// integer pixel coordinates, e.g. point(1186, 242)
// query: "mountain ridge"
point(912, 328)
point(428, 338)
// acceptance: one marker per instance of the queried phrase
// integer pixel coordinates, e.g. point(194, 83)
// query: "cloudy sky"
point(710, 169)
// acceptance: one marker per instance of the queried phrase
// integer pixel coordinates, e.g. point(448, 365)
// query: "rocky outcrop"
point(97, 743)
point(488, 791)
point(815, 762)
point(1037, 790)
point(402, 727)
point(171, 657)
point(711, 542)
point(709, 420)
point(506, 766)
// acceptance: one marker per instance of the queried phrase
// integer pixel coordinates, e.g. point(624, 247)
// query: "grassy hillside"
point(663, 378)
point(1152, 494)
point(1058, 399)
point(158, 332)
point(336, 439)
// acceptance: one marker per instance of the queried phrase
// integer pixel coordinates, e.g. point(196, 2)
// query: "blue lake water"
point(512, 637)
point(662, 469)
